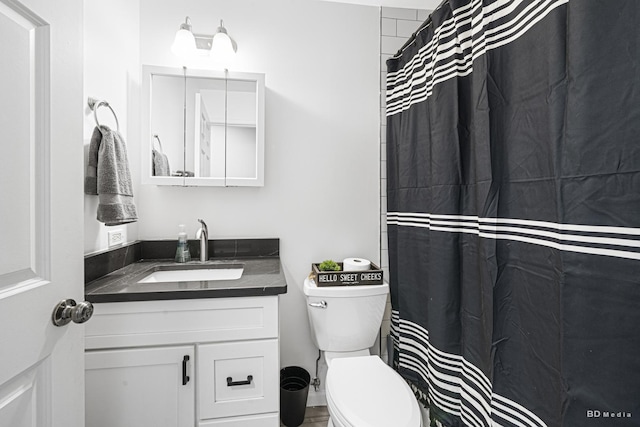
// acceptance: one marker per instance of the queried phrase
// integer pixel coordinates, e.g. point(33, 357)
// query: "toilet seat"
point(365, 392)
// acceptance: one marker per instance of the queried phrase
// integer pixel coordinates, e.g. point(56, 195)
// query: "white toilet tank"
point(350, 317)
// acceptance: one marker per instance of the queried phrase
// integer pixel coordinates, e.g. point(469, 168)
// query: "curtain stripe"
point(457, 386)
point(621, 242)
point(529, 223)
point(465, 38)
point(441, 60)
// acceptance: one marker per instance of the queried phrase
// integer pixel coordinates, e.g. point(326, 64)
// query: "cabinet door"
point(140, 387)
point(238, 378)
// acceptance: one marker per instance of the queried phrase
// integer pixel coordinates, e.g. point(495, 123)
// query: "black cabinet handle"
point(231, 383)
point(185, 377)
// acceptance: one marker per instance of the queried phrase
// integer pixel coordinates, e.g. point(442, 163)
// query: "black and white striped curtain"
point(513, 153)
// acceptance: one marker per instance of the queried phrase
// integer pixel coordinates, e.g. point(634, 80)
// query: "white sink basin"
point(194, 275)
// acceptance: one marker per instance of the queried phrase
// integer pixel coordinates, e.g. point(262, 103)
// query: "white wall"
point(321, 193)
point(111, 72)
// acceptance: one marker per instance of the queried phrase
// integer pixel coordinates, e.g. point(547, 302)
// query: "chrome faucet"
point(203, 235)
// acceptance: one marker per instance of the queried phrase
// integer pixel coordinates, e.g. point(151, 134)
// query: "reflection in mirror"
point(241, 129)
point(208, 150)
point(225, 141)
point(167, 126)
point(205, 127)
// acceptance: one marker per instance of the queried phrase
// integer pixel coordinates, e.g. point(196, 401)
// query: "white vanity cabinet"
point(200, 362)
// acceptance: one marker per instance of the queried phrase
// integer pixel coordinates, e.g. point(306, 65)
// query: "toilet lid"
point(365, 392)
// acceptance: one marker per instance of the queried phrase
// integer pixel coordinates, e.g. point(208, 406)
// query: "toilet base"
point(366, 392)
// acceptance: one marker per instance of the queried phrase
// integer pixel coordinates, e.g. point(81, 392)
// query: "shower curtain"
point(513, 183)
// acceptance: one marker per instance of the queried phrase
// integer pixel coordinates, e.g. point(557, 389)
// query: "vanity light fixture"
point(219, 46)
point(184, 44)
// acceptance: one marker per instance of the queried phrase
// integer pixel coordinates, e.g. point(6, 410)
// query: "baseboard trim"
point(316, 398)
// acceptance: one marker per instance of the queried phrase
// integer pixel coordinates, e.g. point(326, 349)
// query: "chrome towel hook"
point(94, 104)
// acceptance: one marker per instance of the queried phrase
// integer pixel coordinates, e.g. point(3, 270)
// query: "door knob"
point(67, 311)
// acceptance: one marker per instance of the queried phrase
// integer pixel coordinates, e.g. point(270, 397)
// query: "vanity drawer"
point(150, 323)
point(262, 420)
point(237, 378)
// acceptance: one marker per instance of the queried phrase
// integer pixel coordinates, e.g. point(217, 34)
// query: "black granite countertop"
point(261, 276)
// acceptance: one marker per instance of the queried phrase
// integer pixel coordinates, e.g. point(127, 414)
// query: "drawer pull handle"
point(231, 383)
point(185, 377)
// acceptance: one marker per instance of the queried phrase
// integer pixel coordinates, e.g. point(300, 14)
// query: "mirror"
point(203, 128)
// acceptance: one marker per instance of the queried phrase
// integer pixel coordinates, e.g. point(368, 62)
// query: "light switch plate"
point(116, 237)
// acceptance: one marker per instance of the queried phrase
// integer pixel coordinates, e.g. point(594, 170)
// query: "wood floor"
point(317, 416)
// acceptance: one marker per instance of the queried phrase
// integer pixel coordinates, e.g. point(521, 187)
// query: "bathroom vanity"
point(184, 353)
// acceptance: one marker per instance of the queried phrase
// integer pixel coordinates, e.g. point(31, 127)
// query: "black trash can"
point(294, 388)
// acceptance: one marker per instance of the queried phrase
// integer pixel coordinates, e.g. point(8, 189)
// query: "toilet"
point(361, 390)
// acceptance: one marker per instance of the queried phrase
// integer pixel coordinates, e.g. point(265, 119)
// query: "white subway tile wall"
point(400, 13)
point(396, 26)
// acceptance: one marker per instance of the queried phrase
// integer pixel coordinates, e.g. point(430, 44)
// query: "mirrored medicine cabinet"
point(202, 127)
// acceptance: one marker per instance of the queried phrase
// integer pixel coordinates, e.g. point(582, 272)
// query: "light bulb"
point(184, 44)
point(222, 47)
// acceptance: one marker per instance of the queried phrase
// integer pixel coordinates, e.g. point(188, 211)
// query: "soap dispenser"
point(182, 252)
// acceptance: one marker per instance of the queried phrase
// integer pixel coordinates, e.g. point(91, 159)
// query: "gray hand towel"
point(160, 164)
point(108, 177)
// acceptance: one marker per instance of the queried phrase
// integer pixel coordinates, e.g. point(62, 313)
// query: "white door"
point(41, 219)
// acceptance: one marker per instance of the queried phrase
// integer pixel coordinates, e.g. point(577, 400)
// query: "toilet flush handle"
point(321, 304)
